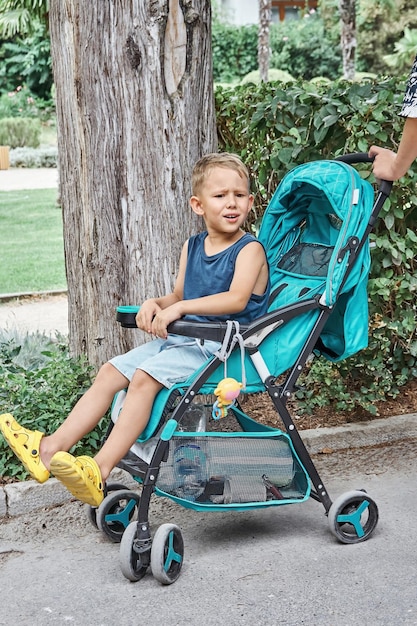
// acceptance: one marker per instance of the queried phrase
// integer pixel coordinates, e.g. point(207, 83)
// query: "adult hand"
point(385, 165)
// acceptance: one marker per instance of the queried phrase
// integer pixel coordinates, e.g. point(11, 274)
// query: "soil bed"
point(260, 408)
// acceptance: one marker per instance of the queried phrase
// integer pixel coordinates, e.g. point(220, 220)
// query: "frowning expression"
point(224, 200)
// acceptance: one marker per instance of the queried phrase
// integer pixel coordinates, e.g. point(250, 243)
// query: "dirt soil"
point(260, 408)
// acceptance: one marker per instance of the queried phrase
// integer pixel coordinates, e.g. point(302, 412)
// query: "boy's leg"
point(35, 450)
point(131, 422)
point(84, 476)
point(86, 414)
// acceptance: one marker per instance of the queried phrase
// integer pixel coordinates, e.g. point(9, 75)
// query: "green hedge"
point(303, 48)
point(40, 383)
point(20, 131)
point(274, 128)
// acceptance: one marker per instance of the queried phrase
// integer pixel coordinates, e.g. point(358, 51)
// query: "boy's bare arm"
point(251, 276)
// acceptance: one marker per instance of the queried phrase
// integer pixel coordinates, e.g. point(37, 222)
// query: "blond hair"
point(207, 163)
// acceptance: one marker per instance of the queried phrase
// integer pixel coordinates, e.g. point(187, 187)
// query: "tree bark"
point(135, 110)
point(263, 39)
point(347, 10)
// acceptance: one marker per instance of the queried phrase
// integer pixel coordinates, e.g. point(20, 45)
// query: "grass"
point(31, 242)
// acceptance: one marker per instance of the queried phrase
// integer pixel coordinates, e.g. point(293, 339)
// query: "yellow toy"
point(226, 392)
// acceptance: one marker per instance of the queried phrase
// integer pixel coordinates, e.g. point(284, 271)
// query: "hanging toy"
point(227, 391)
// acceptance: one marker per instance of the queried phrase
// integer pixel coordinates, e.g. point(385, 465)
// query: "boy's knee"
point(109, 375)
point(106, 370)
point(142, 380)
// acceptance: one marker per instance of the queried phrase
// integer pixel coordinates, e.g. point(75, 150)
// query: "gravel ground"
point(47, 314)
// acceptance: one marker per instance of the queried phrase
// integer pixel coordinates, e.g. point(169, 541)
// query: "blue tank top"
point(207, 275)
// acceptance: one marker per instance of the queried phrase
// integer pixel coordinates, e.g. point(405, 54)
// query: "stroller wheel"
point(132, 562)
point(353, 517)
point(92, 510)
point(116, 512)
point(167, 554)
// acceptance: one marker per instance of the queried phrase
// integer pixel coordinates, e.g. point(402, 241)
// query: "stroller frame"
point(164, 552)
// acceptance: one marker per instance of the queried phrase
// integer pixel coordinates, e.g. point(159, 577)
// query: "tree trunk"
point(263, 39)
point(347, 10)
point(135, 110)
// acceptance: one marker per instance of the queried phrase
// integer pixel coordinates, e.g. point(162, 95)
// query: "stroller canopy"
point(314, 222)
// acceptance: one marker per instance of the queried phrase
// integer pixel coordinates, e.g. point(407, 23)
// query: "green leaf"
point(389, 221)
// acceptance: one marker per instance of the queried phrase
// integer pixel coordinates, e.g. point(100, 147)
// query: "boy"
point(223, 273)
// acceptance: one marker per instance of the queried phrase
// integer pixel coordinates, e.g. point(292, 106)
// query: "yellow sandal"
point(25, 444)
point(81, 476)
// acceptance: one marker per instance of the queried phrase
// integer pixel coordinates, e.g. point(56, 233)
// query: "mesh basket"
point(231, 469)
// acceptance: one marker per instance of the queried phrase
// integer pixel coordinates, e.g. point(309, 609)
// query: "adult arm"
point(389, 165)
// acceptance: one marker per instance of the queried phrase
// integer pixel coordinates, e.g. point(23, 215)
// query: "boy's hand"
point(163, 318)
point(148, 310)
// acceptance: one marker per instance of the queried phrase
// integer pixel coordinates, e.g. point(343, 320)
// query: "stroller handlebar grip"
point(384, 186)
point(355, 157)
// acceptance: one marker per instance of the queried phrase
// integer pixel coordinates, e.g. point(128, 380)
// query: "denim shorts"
point(168, 361)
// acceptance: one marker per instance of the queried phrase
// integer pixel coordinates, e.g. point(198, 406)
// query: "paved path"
point(46, 314)
point(270, 567)
point(28, 178)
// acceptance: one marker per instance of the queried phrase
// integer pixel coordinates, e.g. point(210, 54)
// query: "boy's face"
point(223, 200)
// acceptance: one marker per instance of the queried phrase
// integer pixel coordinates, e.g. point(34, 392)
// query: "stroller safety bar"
point(215, 331)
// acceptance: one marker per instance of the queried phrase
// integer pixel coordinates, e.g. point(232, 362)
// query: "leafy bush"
point(18, 103)
point(34, 157)
point(302, 48)
point(273, 75)
point(235, 51)
point(274, 128)
point(19, 132)
point(39, 385)
point(27, 59)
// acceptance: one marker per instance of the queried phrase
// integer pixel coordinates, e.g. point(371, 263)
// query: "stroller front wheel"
point(353, 517)
point(132, 562)
point(167, 554)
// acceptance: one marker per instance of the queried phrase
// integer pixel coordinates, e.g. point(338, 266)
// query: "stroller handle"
point(384, 186)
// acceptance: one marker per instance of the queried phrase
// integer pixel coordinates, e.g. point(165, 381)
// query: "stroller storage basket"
point(239, 470)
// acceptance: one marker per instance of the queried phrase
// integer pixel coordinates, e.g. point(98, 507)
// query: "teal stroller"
point(315, 232)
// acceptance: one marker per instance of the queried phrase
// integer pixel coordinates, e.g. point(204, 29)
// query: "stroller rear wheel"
point(92, 510)
point(116, 512)
point(353, 517)
point(167, 554)
point(133, 563)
